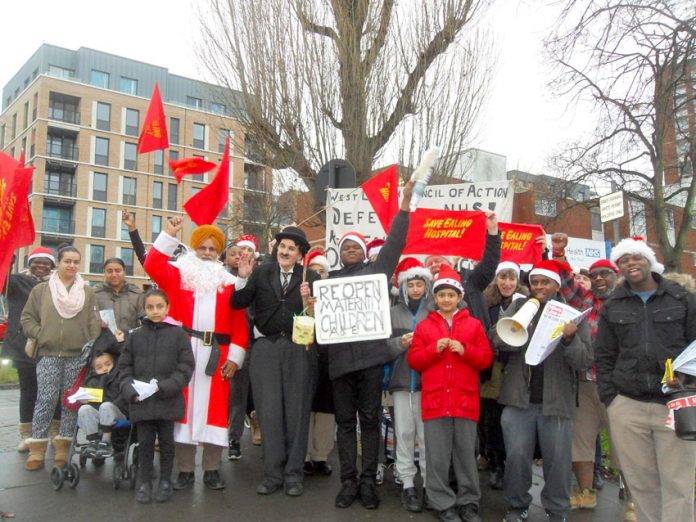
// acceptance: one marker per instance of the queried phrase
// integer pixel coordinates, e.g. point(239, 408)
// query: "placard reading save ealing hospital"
point(349, 209)
point(352, 309)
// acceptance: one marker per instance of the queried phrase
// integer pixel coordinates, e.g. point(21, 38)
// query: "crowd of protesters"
point(215, 339)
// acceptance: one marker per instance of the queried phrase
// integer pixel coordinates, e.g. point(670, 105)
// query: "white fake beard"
point(201, 276)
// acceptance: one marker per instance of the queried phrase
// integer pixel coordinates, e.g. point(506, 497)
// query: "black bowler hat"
point(297, 235)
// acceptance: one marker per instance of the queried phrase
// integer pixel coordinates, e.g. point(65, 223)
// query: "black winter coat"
point(162, 351)
point(19, 287)
point(634, 339)
point(111, 384)
point(477, 279)
point(349, 357)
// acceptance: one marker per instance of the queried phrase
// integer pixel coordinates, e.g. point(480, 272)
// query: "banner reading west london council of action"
point(349, 210)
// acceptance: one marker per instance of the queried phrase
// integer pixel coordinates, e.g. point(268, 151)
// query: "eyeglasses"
point(601, 273)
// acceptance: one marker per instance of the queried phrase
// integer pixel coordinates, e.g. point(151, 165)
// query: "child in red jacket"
point(450, 348)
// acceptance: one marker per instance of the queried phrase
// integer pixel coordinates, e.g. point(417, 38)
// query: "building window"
point(172, 196)
point(59, 183)
point(99, 183)
point(218, 108)
point(174, 130)
point(61, 147)
point(127, 258)
point(173, 156)
point(101, 151)
point(13, 134)
point(254, 178)
point(222, 137)
point(26, 114)
point(129, 86)
point(544, 206)
point(195, 190)
point(96, 259)
point(132, 122)
point(159, 162)
point(199, 135)
point(98, 222)
point(57, 220)
point(125, 235)
point(156, 227)
point(2, 136)
point(157, 194)
point(103, 116)
point(63, 108)
point(196, 103)
point(99, 79)
point(596, 219)
point(130, 188)
point(130, 156)
point(61, 72)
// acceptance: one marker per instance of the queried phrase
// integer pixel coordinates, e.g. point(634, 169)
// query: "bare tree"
point(634, 62)
point(353, 79)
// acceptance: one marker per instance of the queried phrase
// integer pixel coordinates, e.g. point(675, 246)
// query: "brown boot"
point(61, 447)
point(255, 429)
point(37, 454)
point(53, 429)
point(24, 434)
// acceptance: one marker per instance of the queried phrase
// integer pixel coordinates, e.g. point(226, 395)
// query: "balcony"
point(57, 226)
point(64, 115)
point(65, 189)
point(70, 153)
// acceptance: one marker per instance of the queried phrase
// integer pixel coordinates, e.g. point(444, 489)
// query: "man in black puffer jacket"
point(356, 368)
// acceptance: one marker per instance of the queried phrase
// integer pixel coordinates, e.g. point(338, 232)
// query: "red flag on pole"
point(446, 232)
point(153, 135)
point(382, 190)
point(194, 165)
point(205, 207)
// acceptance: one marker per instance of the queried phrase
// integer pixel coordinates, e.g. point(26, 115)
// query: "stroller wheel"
point(83, 461)
point(132, 473)
point(118, 475)
point(73, 475)
point(98, 462)
point(57, 478)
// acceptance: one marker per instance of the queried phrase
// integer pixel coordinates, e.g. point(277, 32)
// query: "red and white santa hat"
point(354, 236)
point(636, 245)
point(374, 246)
point(41, 252)
point(317, 257)
point(410, 268)
point(547, 268)
point(448, 277)
point(249, 241)
point(604, 263)
point(508, 265)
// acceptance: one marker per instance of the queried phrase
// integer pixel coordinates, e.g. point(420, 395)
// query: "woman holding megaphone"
point(539, 401)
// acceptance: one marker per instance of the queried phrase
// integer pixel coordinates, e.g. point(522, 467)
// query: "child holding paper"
point(449, 348)
point(157, 358)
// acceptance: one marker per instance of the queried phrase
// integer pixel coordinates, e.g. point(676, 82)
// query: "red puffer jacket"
point(450, 380)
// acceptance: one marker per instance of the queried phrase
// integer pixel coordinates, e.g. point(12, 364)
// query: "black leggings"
point(28, 389)
point(147, 431)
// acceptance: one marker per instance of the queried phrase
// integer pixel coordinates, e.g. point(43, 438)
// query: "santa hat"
point(604, 263)
point(447, 277)
point(316, 257)
point(546, 268)
point(354, 236)
point(41, 252)
point(374, 246)
point(508, 265)
point(636, 245)
point(410, 268)
point(249, 241)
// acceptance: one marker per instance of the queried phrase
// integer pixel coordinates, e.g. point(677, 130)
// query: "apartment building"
point(76, 117)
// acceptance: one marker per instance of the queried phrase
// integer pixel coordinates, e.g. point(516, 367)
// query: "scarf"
point(68, 303)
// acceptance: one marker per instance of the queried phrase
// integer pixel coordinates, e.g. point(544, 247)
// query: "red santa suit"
point(206, 397)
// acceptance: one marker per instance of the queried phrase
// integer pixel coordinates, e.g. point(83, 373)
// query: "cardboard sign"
point(352, 309)
point(349, 209)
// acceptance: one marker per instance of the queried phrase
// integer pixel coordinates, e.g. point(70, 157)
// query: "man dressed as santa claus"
point(199, 290)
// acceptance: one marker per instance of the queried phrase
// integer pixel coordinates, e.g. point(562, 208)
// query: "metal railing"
point(66, 116)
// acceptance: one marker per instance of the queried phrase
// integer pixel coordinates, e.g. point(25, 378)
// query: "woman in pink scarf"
point(61, 316)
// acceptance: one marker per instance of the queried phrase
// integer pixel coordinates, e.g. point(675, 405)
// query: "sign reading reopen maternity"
point(352, 309)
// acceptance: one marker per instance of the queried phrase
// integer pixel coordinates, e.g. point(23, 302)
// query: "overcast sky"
point(522, 121)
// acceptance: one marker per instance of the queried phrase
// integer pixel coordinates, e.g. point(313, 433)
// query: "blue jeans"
point(521, 427)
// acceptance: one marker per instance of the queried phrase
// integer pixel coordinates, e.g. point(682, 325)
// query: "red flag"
point(194, 165)
point(519, 243)
point(447, 232)
point(382, 190)
point(16, 225)
point(154, 136)
point(205, 207)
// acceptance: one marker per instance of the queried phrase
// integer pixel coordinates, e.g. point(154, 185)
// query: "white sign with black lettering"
point(352, 309)
point(611, 206)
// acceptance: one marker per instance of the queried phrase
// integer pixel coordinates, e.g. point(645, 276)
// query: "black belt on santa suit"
point(214, 340)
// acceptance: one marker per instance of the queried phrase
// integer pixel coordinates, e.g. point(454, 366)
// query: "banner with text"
point(350, 210)
point(352, 309)
point(447, 232)
point(581, 253)
point(519, 243)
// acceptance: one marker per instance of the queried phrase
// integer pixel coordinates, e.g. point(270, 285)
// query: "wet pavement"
point(30, 496)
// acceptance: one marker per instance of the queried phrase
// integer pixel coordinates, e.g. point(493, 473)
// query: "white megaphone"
point(513, 330)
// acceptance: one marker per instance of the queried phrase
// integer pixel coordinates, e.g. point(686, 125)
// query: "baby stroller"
point(124, 438)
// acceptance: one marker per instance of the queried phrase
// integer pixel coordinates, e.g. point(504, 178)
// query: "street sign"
point(336, 173)
point(611, 206)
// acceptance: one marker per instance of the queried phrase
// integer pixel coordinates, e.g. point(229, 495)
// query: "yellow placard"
point(95, 394)
point(669, 373)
